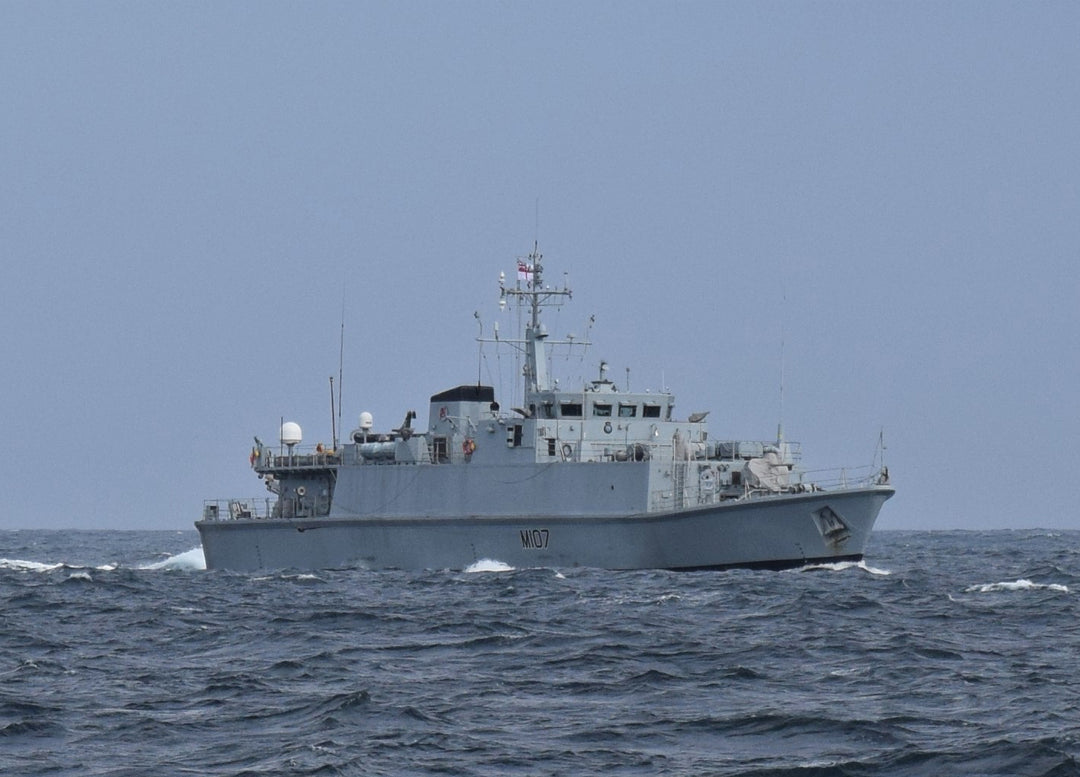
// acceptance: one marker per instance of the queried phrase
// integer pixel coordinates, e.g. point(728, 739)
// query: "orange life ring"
point(468, 447)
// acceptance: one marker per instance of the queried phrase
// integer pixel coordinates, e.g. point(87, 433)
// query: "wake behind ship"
point(594, 477)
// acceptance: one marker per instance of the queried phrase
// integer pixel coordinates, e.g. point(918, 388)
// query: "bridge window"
point(627, 411)
point(570, 410)
point(650, 411)
point(601, 410)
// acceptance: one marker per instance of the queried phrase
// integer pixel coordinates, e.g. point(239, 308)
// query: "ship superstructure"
point(594, 476)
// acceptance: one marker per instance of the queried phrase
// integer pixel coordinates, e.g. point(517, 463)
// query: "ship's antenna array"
point(530, 295)
point(586, 342)
point(480, 349)
point(780, 423)
point(340, 370)
point(333, 423)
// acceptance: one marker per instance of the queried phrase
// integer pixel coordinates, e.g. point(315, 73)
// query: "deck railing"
point(692, 486)
point(237, 509)
point(845, 477)
point(310, 457)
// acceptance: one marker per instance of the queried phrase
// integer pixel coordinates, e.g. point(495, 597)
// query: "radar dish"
point(290, 433)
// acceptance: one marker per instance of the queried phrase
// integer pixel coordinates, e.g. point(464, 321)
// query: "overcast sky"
point(190, 191)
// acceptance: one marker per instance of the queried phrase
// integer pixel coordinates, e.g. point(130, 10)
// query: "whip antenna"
point(340, 369)
point(780, 423)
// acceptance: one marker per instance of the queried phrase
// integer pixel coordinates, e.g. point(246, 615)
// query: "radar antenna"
point(530, 293)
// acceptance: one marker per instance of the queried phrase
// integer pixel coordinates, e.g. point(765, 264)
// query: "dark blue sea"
point(946, 653)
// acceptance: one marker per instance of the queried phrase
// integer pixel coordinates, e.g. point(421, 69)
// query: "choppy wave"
point(28, 566)
point(1017, 585)
point(489, 565)
point(191, 559)
point(21, 565)
point(842, 566)
point(114, 665)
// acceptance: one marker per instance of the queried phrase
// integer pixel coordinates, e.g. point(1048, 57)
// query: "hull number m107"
point(534, 539)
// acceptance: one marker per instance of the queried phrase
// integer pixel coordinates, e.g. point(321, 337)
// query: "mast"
point(536, 378)
point(530, 291)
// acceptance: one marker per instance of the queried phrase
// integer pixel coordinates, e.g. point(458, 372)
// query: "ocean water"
point(947, 653)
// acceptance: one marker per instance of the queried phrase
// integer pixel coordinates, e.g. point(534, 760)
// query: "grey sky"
point(188, 191)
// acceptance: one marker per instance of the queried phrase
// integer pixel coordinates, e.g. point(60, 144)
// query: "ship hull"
point(771, 532)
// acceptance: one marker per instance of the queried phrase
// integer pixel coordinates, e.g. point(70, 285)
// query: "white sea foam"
point(840, 566)
point(1016, 585)
point(292, 576)
point(303, 577)
point(489, 565)
point(192, 559)
point(873, 570)
point(27, 566)
point(38, 566)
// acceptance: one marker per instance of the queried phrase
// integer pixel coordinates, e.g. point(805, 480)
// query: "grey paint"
point(595, 477)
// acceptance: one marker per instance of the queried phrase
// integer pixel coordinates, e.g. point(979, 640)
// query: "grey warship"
point(590, 477)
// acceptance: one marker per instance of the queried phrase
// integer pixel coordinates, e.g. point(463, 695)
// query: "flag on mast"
point(525, 271)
